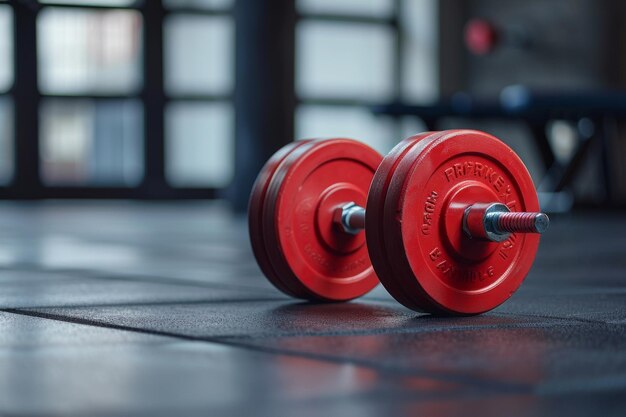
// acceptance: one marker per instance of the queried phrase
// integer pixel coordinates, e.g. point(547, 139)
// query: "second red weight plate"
point(375, 216)
point(441, 269)
point(255, 215)
point(307, 249)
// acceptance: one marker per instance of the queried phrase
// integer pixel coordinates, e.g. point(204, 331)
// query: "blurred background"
point(186, 99)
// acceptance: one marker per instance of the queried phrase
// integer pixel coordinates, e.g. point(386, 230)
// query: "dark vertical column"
point(27, 181)
point(614, 63)
point(399, 70)
point(264, 92)
point(538, 130)
point(613, 46)
point(452, 53)
point(154, 99)
point(398, 53)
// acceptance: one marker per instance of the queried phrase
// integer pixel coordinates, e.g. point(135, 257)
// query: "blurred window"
point(199, 4)
point(199, 144)
point(420, 77)
point(353, 53)
point(110, 3)
point(6, 48)
point(82, 51)
point(343, 121)
point(88, 142)
point(90, 56)
point(199, 53)
point(345, 60)
point(199, 64)
point(374, 8)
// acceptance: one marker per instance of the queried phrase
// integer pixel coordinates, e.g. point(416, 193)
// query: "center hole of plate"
point(328, 231)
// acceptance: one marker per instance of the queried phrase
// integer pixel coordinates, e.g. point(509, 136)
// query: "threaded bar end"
point(517, 222)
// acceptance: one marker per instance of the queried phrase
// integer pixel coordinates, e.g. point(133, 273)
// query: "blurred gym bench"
point(594, 113)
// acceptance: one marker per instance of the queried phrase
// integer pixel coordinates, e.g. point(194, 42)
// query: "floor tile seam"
point(488, 384)
point(146, 304)
point(93, 275)
point(184, 282)
point(554, 321)
point(416, 331)
point(570, 319)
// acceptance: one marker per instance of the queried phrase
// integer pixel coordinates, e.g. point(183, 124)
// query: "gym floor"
point(123, 309)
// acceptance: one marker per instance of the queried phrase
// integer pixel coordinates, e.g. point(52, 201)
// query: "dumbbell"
point(452, 224)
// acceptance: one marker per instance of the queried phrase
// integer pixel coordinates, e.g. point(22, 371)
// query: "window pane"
point(198, 54)
point(6, 140)
point(344, 60)
point(199, 4)
point(89, 51)
point(420, 73)
point(117, 3)
point(199, 138)
point(373, 8)
point(316, 121)
point(86, 142)
point(6, 48)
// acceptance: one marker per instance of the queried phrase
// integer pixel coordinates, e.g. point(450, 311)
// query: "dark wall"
point(569, 44)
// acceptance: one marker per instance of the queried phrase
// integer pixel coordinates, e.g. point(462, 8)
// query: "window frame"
point(26, 96)
point(394, 22)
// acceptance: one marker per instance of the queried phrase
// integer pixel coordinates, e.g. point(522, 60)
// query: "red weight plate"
point(270, 242)
point(308, 250)
point(375, 215)
point(416, 298)
point(430, 188)
point(255, 215)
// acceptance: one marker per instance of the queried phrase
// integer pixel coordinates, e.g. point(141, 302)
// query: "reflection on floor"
point(121, 309)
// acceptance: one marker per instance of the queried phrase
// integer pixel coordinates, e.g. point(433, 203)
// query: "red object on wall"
point(481, 36)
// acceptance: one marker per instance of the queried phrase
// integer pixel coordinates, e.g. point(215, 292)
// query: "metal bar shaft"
point(355, 218)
